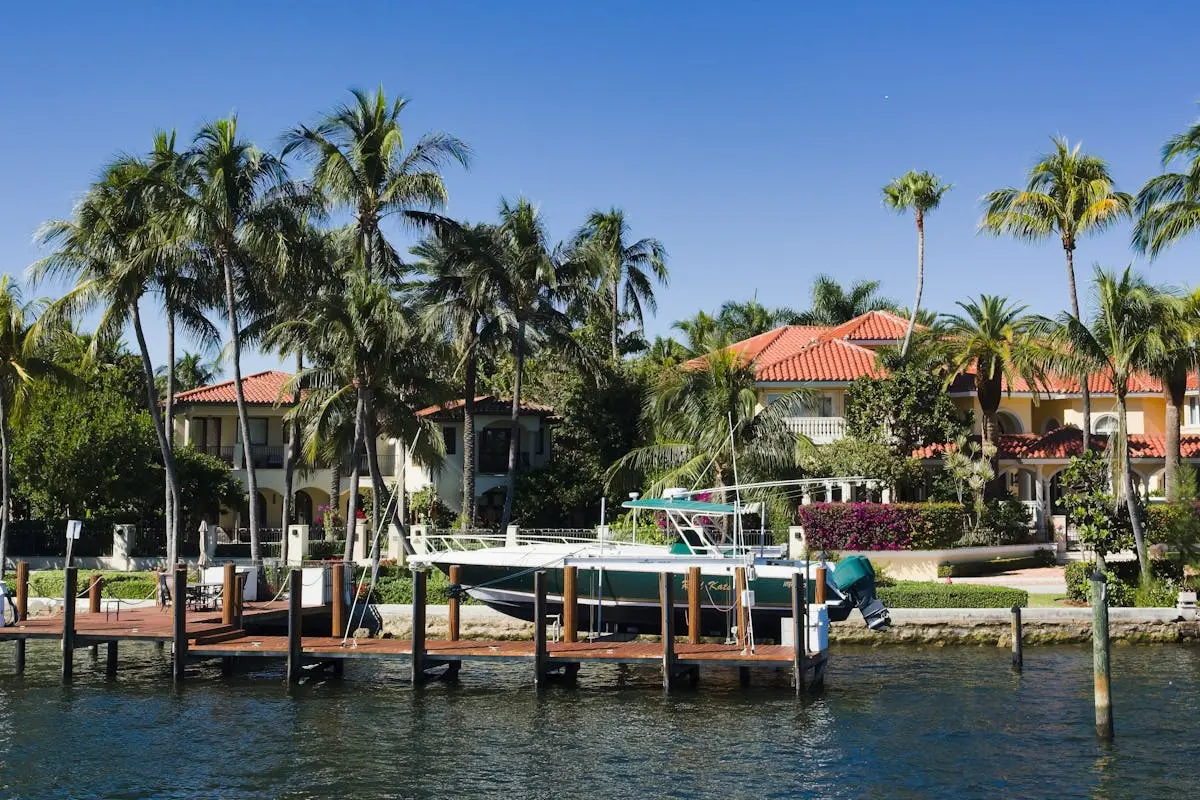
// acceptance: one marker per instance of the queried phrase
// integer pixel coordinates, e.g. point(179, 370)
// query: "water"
point(893, 722)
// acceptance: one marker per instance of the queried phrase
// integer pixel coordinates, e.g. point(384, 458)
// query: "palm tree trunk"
point(382, 495)
point(616, 318)
point(335, 499)
point(172, 508)
point(156, 417)
point(912, 318)
point(514, 438)
point(289, 467)
point(467, 513)
point(1083, 379)
point(1131, 503)
point(239, 392)
point(1175, 391)
point(5, 499)
point(355, 465)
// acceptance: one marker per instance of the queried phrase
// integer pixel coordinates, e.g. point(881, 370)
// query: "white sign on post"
point(74, 528)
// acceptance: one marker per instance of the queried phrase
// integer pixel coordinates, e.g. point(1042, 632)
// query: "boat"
point(618, 581)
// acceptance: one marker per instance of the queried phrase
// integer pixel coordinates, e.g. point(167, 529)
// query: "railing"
point(387, 465)
point(221, 451)
point(821, 430)
point(489, 464)
point(481, 538)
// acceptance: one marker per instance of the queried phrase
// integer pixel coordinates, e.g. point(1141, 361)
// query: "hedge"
point(1121, 577)
point(881, 526)
point(123, 585)
point(395, 586)
point(918, 594)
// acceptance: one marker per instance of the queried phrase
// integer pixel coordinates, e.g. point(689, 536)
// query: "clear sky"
point(752, 138)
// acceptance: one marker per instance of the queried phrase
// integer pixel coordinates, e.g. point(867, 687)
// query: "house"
point(1035, 443)
point(206, 418)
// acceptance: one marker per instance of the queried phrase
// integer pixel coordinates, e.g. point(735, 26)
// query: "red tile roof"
point(873, 326)
point(835, 360)
point(1140, 383)
point(261, 388)
point(1063, 443)
point(485, 404)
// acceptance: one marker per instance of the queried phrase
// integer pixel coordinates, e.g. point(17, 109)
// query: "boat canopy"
point(680, 504)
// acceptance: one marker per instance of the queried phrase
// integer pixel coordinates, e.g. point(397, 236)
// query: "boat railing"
point(462, 540)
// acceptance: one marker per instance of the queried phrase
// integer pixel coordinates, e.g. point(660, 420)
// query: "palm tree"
point(1068, 194)
point(995, 340)
point(232, 199)
point(623, 265)
point(832, 304)
point(1168, 206)
point(1120, 341)
point(742, 320)
point(459, 297)
point(703, 332)
point(192, 370)
point(24, 362)
point(705, 420)
point(1175, 345)
point(919, 192)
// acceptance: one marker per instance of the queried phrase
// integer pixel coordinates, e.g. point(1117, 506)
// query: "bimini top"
point(680, 504)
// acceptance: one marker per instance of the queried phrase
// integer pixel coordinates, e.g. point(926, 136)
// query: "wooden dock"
point(236, 631)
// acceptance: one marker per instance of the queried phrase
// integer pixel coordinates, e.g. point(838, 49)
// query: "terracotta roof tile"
point(484, 404)
point(1063, 443)
point(872, 326)
point(832, 360)
point(1065, 384)
point(261, 388)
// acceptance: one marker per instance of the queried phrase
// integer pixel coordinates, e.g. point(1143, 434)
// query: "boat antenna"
point(737, 492)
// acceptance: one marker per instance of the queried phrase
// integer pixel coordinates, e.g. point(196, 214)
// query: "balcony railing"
point(820, 430)
point(221, 451)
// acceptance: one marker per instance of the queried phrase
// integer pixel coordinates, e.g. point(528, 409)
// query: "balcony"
point(819, 430)
point(387, 466)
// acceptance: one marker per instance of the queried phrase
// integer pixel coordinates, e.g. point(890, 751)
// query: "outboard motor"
point(855, 577)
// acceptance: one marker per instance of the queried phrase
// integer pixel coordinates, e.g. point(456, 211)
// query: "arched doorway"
point(1009, 422)
point(491, 506)
point(303, 508)
point(243, 518)
point(1051, 425)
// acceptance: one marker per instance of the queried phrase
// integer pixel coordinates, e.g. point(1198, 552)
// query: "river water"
point(893, 722)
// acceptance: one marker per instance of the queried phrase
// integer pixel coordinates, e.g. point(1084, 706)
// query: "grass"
point(1047, 600)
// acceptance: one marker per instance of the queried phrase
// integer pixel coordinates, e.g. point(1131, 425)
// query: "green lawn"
point(1046, 600)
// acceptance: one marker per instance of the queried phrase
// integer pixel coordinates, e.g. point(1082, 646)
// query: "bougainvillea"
point(880, 526)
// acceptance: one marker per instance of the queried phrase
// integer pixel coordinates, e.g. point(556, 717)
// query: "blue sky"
point(751, 138)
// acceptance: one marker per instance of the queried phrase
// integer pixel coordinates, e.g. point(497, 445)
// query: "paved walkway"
point(1037, 580)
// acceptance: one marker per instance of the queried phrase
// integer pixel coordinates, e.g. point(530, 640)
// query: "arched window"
point(1105, 424)
point(1009, 422)
point(303, 506)
point(1050, 425)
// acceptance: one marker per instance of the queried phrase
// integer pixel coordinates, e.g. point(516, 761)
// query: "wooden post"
point(1017, 657)
point(229, 594)
point(94, 589)
point(110, 663)
point(70, 585)
point(539, 628)
point(1100, 652)
point(454, 603)
point(739, 586)
point(666, 598)
point(693, 588)
point(179, 621)
point(819, 589)
point(799, 631)
point(295, 625)
point(22, 609)
point(338, 611)
point(570, 611)
point(239, 598)
point(418, 625)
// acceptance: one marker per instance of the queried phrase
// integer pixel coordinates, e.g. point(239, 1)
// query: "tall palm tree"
point(25, 360)
point(1068, 194)
point(741, 320)
point(833, 304)
point(532, 282)
point(704, 334)
point(919, 192)
point(459, 296)
point(1175, 349)
point(1120, 341)
point(704, 421)
point(231, 200)
point(996, 341)
point(192, 370)
point(1168, 206)
point(623, 266)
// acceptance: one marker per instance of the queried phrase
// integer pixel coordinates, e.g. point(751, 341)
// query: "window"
point(1192, 416)
point(541, 441)
point(1105, 424)
point(258, 430)
point(450, 437)
point(819, 406)
point(493, 449)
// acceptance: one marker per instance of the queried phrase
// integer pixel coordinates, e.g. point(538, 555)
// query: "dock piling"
point(70, 586)
point(22, 609)
point(819, 589)
point(539, 628)
point(667, 599)
point(570, 611)
point(110, 663)
point(1100, 652)
point(453, 605)
point(94, 589)
point(179, 622)
point(338, 610)
point(295, 626)
point(799, 630)
point(228, 590)
point(739, 589)
point(1018, 659)
point(693, 589)
point(239, 598)
point(418, 625)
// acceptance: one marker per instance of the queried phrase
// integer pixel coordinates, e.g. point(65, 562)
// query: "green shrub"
point(1121, 578)
point(326, 550)
point(123, 585)
point(918, 594)
point(394, 586)
point(1159, 594)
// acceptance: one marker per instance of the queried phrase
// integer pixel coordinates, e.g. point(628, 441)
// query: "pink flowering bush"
point(879, 526)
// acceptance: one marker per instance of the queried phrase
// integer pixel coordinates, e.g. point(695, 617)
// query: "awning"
point(679, 504)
